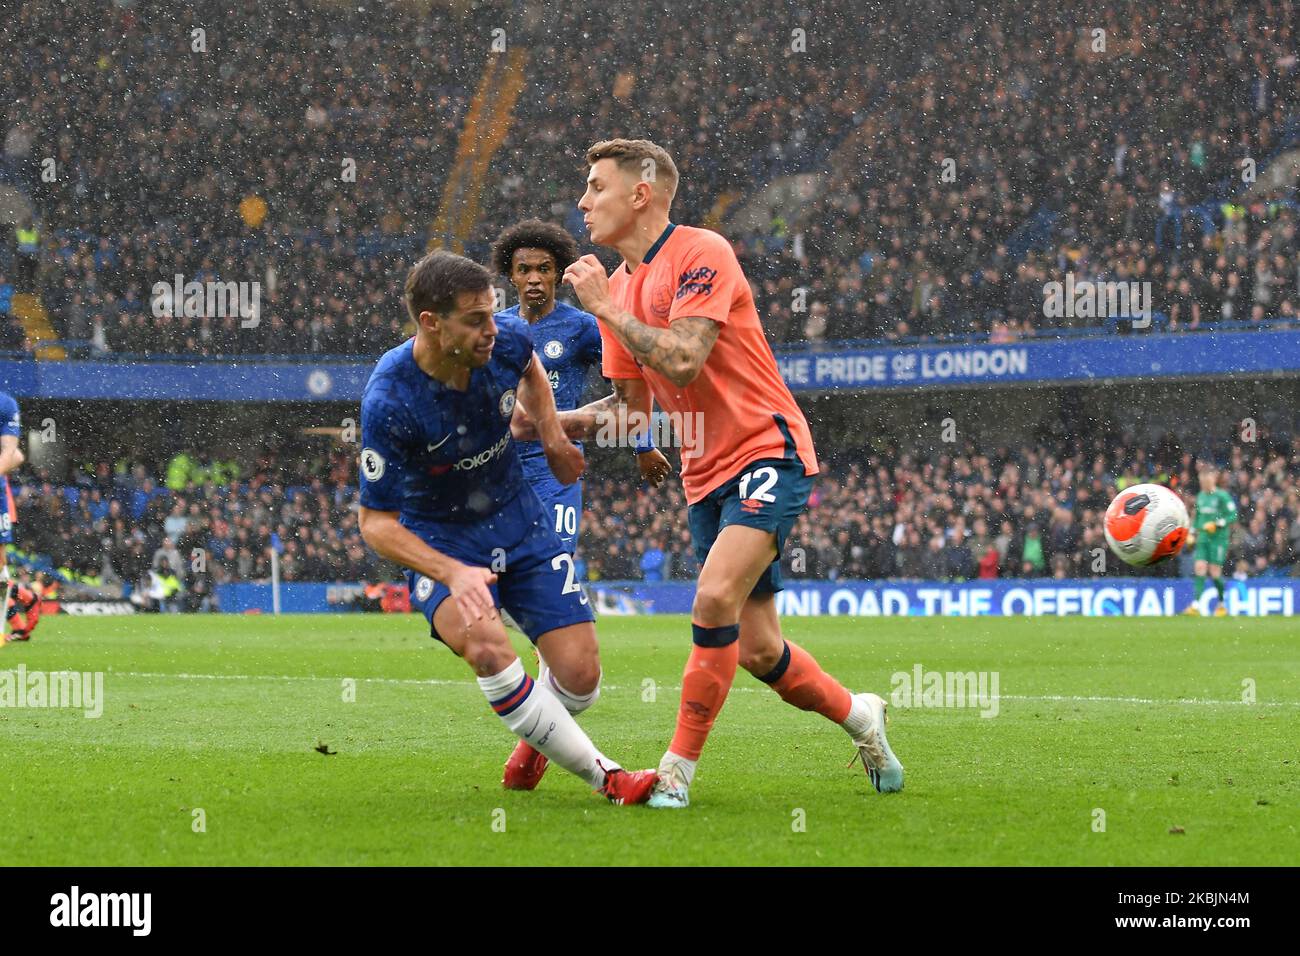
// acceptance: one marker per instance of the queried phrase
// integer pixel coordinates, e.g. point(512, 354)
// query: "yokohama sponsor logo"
point(483, 457)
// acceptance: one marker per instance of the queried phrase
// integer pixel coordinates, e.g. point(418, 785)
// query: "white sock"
point(537, 717)
point(685, 768)
point(573, 703)
point(859, 718)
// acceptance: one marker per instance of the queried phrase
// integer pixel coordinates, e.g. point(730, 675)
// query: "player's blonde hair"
point(642, 158)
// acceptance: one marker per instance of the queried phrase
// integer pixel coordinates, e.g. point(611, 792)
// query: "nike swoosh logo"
point(437, 446)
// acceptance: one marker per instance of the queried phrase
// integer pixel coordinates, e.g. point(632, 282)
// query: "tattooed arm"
point(623, 417)
point(583, 424)
point(620, 419)
point(535, 395)
point(677, 352)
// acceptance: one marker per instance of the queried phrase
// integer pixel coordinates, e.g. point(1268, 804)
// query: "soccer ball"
point(1146, 524)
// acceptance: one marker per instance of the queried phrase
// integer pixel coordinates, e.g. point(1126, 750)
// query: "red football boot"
point(524, 769)
point(625, 787)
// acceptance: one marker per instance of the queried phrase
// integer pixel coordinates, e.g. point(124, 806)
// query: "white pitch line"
point(1151, 700)
point(435, 682)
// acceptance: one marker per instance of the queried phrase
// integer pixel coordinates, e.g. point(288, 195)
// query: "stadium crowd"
point(1120, 149)
point(222, 157)
point(205, 522)
point(1032, 511)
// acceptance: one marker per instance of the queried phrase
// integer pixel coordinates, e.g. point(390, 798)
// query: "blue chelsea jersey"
point(438, 455)
point(568, 341)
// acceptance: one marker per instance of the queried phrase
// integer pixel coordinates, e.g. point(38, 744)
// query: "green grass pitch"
point(1140, 719)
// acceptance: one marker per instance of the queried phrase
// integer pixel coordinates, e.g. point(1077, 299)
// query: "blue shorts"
point(536, 579)
point(563, 503)
point(777, 492)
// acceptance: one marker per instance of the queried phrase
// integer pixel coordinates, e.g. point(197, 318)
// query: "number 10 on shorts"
point(566, 520)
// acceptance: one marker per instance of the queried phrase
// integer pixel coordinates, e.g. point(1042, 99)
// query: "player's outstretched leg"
point(736, 558)
point(531, 712)
point(795, 674)
point(574, 680)
point(706, 681)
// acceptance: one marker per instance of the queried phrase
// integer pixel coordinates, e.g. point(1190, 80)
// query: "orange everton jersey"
point(738, 409)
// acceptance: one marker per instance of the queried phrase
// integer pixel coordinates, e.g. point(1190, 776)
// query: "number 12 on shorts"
point(766, 477)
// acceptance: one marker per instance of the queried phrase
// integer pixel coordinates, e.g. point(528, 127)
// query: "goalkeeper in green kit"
point(1215, 513)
